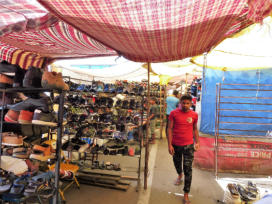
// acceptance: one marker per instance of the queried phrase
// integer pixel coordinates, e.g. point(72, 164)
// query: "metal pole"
point(58, 149)
point(140, 136)
point(161, 116)
point(147, 130)
point(215, 131)
point(2, 117)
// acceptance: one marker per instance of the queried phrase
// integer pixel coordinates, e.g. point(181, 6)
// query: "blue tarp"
point(262, 114)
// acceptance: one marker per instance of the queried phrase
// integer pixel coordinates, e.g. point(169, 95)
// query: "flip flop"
point(186, 202)
point(178, 182)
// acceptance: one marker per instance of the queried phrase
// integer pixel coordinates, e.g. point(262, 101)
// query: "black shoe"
point(6, 67)
point(33, 78)
point(42, 118)
point(19, 76)
point(30, 104)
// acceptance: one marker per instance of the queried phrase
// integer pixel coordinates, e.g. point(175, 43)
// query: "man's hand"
point(197, 146)
point(171, 149)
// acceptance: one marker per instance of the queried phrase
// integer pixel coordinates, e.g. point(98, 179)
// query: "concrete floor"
point(161, 190)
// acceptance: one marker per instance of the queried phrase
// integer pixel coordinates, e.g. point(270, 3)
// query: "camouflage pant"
point(187, 153)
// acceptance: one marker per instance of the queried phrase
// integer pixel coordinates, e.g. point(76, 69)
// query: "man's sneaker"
point(11, 139)
point(19, 76)
point(42, 118)
point(5, 81)
point(6, 67)
point(12, 116)
point(25, 117)
point(33, 78)
point(53, 80)
point(30, 104)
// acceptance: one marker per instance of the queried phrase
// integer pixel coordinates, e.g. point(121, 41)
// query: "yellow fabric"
point(164, 79)
point(25, 59)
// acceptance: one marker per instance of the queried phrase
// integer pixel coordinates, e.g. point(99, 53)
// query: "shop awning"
point(140, 30)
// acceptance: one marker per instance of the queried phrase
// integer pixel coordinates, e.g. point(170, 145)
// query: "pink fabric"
point(183, 126)
point(153, 30)
point(22, 15)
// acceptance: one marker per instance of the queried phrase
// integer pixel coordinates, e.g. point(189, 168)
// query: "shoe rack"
point(59, 125)
point(140, 110)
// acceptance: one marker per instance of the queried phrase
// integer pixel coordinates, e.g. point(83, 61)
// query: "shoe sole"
point(13, 145)
point(24, 121)
point(40, 158)
point(40, 122)
point(8, 119)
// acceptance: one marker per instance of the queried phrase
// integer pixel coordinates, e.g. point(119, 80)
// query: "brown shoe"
point(5, 81)
point(53, 80)
point(11, 139)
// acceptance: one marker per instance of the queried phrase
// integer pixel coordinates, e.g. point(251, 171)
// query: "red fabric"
point(156, 31)
point(183, 126)
point(22, 15)
point(140, 30)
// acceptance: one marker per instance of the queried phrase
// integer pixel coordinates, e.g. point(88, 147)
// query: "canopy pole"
point(147, 128)
point(161, 116)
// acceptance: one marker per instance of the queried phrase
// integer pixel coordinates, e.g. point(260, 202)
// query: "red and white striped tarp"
point(22, 15)
point(159, 30)
point(140, 30)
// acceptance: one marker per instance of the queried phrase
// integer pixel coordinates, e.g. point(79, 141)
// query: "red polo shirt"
point(183, 126)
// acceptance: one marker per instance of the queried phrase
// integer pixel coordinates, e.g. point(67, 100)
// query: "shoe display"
point(53, 80)
point(42, 118)
point(32, 78)
point(12, 116)
point(30, 104)
point(25, 117)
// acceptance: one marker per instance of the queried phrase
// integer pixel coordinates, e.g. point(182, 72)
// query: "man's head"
point(153, 101)
point(175, 93)
point(186, 102)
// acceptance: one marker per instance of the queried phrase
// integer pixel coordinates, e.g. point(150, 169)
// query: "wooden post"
point(147, 129)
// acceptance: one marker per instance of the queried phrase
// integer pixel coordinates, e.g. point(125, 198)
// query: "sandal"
point(178, 182)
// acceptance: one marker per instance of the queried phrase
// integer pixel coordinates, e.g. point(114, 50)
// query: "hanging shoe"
point(32, 78)
point(53, 80)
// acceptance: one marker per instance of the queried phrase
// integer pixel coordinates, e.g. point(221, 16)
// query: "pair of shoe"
point(42, 152)
point(34, 78)
point(22, 117)
point(27, 117)
point(18, 152)
point(11, 139)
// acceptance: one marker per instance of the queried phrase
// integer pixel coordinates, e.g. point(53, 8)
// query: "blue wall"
point(211, 77)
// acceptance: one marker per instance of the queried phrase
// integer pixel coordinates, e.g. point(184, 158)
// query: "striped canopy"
point(140, 30)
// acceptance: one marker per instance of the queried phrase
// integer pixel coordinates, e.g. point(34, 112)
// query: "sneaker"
point(11, 139)
point(53, 80)
point(233, 190)
point(12, 116)
point(42, 152)
point(30, 104)
point(42, 118)
point(32, 78)
point(25, 117)
point(5, 81)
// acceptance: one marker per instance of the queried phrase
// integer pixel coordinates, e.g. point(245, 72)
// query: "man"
point(172, 103)
point(153, 115)
point(182, 129)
